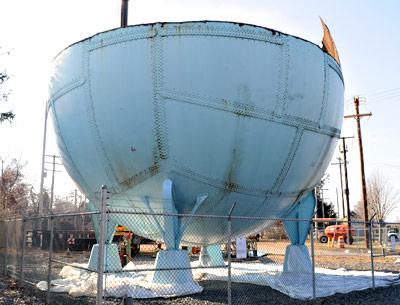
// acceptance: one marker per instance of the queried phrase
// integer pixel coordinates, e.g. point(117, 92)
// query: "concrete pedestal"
point(172, 259)
point(111, 258)
point(211, 256)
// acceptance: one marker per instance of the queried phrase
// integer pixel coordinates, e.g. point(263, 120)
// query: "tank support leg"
point(297, 258)
point(211, 256)
point(171, 222)
point(172, 258)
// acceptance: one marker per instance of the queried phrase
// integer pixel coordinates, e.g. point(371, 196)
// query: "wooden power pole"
point(341, 185)
point(358, 116)
point(346, 189)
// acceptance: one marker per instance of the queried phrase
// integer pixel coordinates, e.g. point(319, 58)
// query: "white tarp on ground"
point(78, 282)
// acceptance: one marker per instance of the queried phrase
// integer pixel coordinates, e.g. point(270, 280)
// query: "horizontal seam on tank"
point(180, 170)
point(76, 83)
point(227, 34)
point(118, 40)
point(141, 176)
point(256, 113)
point(165, 33)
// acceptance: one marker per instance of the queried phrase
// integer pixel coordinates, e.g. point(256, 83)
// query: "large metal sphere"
point(238, 113)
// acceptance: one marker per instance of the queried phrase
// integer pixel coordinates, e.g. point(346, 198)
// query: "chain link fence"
point(68, 252)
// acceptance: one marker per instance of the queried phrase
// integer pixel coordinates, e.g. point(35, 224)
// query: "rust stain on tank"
point(229, 184)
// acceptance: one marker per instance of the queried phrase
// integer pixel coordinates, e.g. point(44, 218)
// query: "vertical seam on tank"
point(286, 65)
point(66, 150)
point(158, 104)
point(283, 72)
point(292, 154)
point(99, 146)
point(325, 91)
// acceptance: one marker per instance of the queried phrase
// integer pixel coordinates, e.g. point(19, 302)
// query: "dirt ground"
point(353, 257)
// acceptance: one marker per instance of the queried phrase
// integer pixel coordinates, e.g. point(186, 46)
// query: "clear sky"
point(366, 34)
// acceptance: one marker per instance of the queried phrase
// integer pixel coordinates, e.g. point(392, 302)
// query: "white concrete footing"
point(297, 259)
point(111, 258)
point(178, 260)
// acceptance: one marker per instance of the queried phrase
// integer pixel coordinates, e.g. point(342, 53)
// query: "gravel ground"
point(215, 293)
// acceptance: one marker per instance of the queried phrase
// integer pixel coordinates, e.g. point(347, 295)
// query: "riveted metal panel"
point(124, 115)
point(333, 115)
point(211, 61)
point(68, 71)
point(305, 81)
point(75, 141)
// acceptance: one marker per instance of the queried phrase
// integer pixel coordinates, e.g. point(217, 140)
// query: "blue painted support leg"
point(297, 258)
point(211, 256)
point(171, 223)
point(172, 257)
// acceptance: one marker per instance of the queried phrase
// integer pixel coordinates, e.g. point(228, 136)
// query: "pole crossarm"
point(357, 115)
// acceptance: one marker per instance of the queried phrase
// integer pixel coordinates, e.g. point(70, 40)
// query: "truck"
point(393, 232)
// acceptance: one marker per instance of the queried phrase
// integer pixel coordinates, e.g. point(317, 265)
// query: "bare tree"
point(15, 193)
point(382, 197)
point(382, 200)
point(4, 92)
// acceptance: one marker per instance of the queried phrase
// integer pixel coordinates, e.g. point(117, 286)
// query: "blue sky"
point(366, 35)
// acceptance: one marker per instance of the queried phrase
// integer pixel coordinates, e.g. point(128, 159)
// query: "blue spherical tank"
point(229, 113)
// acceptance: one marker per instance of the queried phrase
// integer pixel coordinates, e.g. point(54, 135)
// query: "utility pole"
point(321, 196)
point(337, 201)
point(2, 197)
point(42, 173)
point(52, 184)
point(358, 116)
point(341, 183)
point(53, 163)
point(76, 207)
point(346, 190)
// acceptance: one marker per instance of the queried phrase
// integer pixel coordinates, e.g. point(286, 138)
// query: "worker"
point(122, 254)
point(136, 240)
point(70, 243)
point(128, 247)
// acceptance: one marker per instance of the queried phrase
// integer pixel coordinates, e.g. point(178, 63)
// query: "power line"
point(373, 94)
point(383, 92)
point(394, 166)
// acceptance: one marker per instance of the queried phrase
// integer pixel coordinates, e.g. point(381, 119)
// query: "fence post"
point(230, 255)
point(312, 230)
point(23, 248)
point(100, 254)
point(50, 259)
point(371, 249)
point(6, 250)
